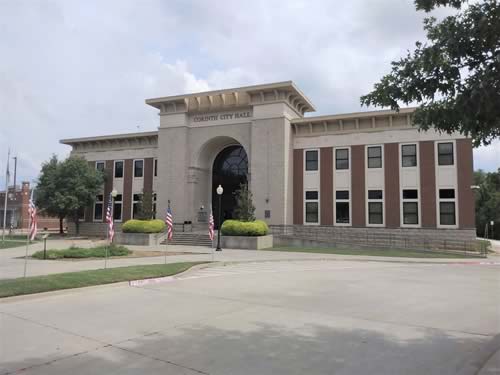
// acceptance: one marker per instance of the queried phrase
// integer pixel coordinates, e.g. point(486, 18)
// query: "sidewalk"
point(12, 260)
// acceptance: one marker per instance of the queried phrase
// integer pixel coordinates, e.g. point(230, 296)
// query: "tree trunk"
point(77, 225)
point(61, 229)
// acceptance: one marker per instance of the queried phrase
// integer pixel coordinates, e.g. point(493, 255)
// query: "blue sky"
point(81, 68)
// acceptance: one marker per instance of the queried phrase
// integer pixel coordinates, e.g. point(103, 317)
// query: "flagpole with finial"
point(7, 177)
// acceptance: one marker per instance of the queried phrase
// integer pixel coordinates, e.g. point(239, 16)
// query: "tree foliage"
point(245, 210)
point(455, 76)
point(145, 206)
point(65, 188)
point(487, 202)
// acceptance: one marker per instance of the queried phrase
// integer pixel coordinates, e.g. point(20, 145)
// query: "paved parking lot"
point(288, 317)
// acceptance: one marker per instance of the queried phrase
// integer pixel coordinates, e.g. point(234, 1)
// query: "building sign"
point(222, 116)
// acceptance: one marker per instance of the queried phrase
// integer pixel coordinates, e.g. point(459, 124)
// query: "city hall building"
point(352, 175)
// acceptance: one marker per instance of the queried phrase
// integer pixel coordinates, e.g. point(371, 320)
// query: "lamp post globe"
point(219, 191)
point(114, 193)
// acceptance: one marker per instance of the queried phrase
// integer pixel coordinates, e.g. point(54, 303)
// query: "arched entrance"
point(230, 169)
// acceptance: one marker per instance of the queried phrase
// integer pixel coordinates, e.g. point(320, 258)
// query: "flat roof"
point(70, 141)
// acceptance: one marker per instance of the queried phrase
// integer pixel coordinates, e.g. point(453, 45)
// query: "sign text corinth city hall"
point(222, 116)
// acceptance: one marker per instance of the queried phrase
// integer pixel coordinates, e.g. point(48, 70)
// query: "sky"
point(84, 68)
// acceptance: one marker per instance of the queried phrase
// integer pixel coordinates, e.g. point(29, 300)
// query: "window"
point(312, 160)
point(410, 194)
point(447, 215)
point(342, 195)
point(375, 207)
point(119, 169)
point(375, 194)
point(375, 215)
point(138, 168)
point(117, 207)
point(156, 168)
point(375, 157)
point(99, 165)
point(446, 193)
point(410, 207)
point(312, 207)
point(342, 158)
point(98, 207)
point(342, 214)
point(136, 204)
point(445, 153)
point(409, 155)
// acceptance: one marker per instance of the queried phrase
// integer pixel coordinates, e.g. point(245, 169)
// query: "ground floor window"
point(136, 204)
point(117, 207)
point(312, 207)
point(447, 214)
point(410, 207)
point(375, 207)
point(154, 205)
point(342, 211)
point(98, 207)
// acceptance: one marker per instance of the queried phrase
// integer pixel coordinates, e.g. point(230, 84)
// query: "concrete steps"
point(190, 239)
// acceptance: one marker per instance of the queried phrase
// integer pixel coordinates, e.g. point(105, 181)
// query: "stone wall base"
point(410, 238)
point(92, 229)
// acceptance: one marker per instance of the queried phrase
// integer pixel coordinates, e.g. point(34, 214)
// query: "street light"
point(219, 190)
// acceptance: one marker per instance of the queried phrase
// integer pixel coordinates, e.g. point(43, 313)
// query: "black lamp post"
point(219, 190)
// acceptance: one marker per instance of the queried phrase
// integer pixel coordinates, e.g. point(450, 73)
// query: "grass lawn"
point(79, 252)
point(373, 252)
point(19, 237)
point(9, 244)
point(39, 284)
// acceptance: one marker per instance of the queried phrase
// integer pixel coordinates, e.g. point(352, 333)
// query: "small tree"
point(245, 210)
point(65, 188)
point(145, 206)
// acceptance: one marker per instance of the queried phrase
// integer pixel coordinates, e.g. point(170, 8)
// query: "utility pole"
point(7, 175)
point(15, 173)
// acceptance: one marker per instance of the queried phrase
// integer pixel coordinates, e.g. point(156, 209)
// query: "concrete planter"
point(248, 243)
point(144, 239)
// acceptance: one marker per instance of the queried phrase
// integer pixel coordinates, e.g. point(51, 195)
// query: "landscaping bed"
point(8, 244)
point(39, 284)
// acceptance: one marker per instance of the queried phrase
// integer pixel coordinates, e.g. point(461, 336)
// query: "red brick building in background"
point(17, 210)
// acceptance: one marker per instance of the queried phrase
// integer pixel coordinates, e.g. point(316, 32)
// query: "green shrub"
point(143, 226)
point(78, 252)
point(244, 228)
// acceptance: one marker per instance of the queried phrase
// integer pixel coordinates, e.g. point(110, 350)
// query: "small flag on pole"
point(33, 227)
point(211, 226)
point(169, 220)
point(109, 219)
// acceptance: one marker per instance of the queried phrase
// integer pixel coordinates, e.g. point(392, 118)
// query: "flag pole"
point(7, 177)
point(166, 239)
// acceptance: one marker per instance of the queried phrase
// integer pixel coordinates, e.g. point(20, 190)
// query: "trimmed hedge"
point(143, 226)
point(78, 252)
point(244, 228)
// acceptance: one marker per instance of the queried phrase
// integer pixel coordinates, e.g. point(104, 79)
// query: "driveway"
point(285, 317)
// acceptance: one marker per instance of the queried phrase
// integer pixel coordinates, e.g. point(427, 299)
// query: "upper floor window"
point(99, 165)
point(98, 207)
point(138, 168)
point(409, 155)
point(156, 168)
point(119, 169)
point(312, 160)
point(445, 153)
point(375, 157)
point(342, 158)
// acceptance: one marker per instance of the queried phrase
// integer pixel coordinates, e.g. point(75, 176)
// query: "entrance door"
point(230, 169)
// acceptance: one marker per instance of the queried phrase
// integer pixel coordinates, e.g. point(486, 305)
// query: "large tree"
point(455, 76)
point(488, 202)
point(66, 188)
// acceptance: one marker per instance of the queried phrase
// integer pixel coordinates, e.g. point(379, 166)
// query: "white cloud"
point(70, 68)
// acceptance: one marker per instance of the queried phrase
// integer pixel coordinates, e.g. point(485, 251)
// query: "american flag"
point(211, 226)
point(109, 219)
point(33, 227)
point(169, 220)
